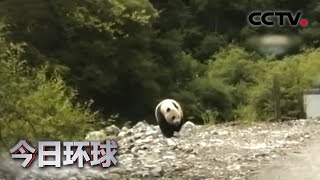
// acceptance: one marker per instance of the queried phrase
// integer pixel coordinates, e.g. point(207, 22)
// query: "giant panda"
point(169, 116)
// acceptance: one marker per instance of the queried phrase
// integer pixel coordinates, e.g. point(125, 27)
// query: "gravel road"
point(302, 164)
point(262, 151)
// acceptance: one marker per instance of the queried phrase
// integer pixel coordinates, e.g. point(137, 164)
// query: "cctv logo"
point(271, 18)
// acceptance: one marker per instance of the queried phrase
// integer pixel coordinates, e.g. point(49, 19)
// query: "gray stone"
point(187, 129)
point(96, 136)
point(111, 176)
point(157, 171)
point(72, 178)
point(112, 130)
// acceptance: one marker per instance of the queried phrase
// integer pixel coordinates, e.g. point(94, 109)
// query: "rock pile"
point(197, 152)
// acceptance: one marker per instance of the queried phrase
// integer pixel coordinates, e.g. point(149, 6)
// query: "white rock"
point(96, 136)
point(112, 130)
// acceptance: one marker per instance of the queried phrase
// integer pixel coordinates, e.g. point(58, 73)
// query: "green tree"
point(36, 106)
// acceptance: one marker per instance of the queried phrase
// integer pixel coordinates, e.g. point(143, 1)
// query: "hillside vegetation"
point(67, 66)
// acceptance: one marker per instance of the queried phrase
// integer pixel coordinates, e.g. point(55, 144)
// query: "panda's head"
point(171, 111)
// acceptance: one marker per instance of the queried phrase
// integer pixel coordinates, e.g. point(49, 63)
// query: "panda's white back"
point(168, 103)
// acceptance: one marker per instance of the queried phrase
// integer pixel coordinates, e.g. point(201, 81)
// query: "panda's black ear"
point(168, 109)
point(175, 105)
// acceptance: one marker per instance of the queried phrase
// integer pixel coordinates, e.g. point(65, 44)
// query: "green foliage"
point(35, 106)
point(242, 85)
point(209, 116)
point(210, 44)
point(312, 35)
point(213, 94)
point(246, 113)
point(296, 74)
point(110, 15)
point(223, 85)
point(127, 55)
point(234, 65)
point(174, 14)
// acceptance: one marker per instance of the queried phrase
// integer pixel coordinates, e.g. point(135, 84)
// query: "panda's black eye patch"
point(175, 105)
point(168, 109)
point(173, 117)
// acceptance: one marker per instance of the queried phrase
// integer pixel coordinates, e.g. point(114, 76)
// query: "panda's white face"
point(172, 111)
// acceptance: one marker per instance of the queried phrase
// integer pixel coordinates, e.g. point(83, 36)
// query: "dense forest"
point(77, 64)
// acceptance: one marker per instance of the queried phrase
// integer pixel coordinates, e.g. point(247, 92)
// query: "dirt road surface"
point(303, 164)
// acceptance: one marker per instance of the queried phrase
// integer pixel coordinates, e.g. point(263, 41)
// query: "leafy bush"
point(296, 73)
point(239, 85)
point(209, 116)
point(35, 105)
point(224, 84)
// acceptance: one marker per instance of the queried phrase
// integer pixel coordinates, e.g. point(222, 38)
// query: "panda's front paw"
point(168, 133)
